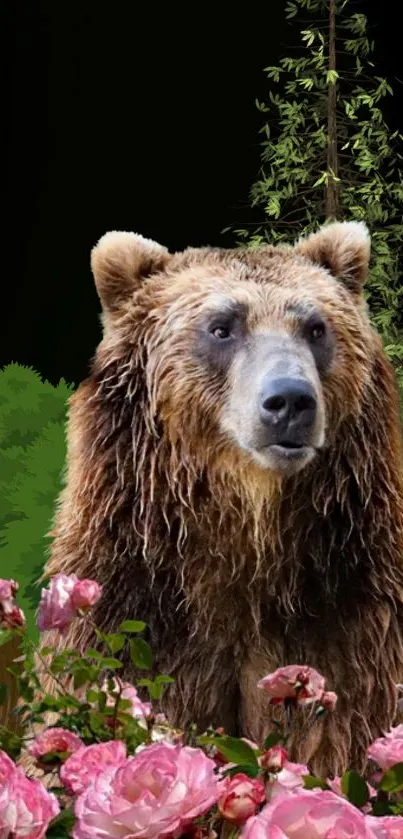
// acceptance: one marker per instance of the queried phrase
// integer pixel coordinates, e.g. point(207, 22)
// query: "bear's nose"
point(288, 406)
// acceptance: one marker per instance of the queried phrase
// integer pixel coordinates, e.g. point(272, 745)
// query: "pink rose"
point(386, 827)
point(8, 590)
point(274, 759)
point(88, 762)
point(26, 808)
point(157, 793)
point(85, 594)
point(11, 616)
point(61, 600)
point(329, 700)
point(240, 797)
point(388, 750)
point(56, 610)
point(54, 740)
point(316, 814)
point(259, 828)
point(296, 681)
point(7, 767)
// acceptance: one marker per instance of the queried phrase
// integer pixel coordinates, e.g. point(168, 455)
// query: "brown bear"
point(235, 480)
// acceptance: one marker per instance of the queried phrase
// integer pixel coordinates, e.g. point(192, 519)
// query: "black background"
point(132, 117)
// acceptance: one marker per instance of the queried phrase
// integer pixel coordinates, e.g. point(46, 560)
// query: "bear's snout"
point(287, 408)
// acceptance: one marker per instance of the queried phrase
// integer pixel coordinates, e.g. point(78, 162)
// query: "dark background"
point(136, 117)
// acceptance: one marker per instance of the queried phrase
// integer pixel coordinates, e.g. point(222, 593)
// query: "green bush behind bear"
point(32, 457)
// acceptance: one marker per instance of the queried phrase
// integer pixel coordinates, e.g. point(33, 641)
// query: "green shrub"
point(32, 456)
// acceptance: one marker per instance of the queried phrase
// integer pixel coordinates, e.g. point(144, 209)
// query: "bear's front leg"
point(206, 689)
point(366, 706)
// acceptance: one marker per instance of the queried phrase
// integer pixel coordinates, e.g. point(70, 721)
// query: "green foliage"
point(32, 455)
point(27, 404)
point(97, 715)
point(392, 780)
point(355, 788)
point(234, 750)
point(294, 177)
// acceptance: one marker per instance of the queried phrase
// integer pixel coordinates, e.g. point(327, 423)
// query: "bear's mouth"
point(291, 450)
point(288, 444)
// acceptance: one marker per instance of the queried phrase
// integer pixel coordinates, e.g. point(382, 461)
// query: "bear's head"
point(252, 358)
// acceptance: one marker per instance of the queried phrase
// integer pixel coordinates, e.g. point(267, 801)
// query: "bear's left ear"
point(343, 248)
point(120, 261)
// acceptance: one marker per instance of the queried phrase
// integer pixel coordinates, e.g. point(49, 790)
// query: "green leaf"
point(54, 757)
point(236, 751)
point(49, 703)
point(80, 678)
point(164, 680)
point(26, 691)
point(155, 691)
point(381, 808)
point(115, 642)
point(61, 826)
point(124, 704)
point(392, 780)
point(5, 636)
point(140, 654)
point(10, 743)
point(111, 663)
point(248, 769)
point(92, 695)
point(132, 626)
point(311, 782)
point(273, 739)
point(92, 653)
point(355, 788)
point(97, 721)
point(102, 700)
point(332, 76)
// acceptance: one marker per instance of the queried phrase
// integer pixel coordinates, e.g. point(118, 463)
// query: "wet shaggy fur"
point(235, 568)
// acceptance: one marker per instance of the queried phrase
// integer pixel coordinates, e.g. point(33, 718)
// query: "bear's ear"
point(120, 261)
point(343, 248)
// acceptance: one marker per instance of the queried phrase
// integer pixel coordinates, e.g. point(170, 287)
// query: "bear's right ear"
point(341, 247)
point(120, 261)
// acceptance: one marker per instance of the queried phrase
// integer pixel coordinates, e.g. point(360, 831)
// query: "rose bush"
point(112, 765)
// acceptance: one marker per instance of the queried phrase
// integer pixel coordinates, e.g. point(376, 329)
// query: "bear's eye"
point(317, 330)
point(221, 332)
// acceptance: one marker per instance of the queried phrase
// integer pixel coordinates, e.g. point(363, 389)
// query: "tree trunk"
point(8, 652)
point(331, 193)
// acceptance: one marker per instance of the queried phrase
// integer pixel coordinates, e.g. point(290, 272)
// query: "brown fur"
point(235, 568)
